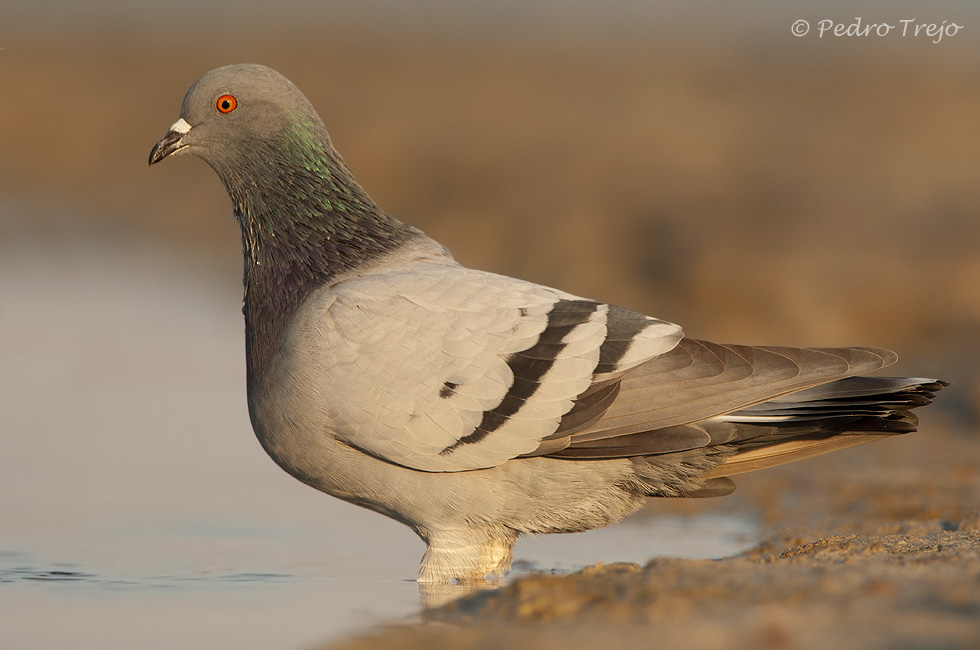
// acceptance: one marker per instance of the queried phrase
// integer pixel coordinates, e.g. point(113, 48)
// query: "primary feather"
point(471, 406)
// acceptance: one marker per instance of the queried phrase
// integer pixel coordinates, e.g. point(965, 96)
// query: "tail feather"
point(818, 420)
point(780, 453)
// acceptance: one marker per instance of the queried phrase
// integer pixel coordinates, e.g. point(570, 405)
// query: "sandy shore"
point(876, 548)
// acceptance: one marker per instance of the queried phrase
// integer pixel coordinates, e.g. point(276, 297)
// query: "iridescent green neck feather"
point(301, 205)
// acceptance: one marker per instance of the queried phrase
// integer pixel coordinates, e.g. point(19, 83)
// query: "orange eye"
point(226, 103)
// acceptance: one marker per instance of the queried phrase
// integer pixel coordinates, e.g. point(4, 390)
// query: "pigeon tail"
point(841, 414)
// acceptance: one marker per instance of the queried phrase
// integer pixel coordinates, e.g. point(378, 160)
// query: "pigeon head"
point(235, 115)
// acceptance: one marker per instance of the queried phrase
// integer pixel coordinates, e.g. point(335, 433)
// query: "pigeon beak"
point(171, 143)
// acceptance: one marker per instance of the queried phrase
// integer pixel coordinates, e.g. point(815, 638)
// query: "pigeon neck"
point(304, 220)
point(301, 209)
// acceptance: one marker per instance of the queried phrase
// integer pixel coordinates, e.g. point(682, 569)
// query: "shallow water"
point(138, 510)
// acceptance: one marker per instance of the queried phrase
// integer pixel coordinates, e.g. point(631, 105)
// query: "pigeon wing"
point(441, 368)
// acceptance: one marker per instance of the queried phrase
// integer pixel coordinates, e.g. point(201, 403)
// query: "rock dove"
point(475, 407)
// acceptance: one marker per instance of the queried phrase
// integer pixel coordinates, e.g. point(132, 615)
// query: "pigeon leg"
point(467, 555)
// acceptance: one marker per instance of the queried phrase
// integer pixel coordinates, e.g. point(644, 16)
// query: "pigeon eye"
point(226, 103)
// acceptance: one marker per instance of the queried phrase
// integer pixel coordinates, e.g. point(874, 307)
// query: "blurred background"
point(691, 160)
point(695, 161)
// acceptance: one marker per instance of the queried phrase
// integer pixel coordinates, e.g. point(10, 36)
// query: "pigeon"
point(471, 406)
